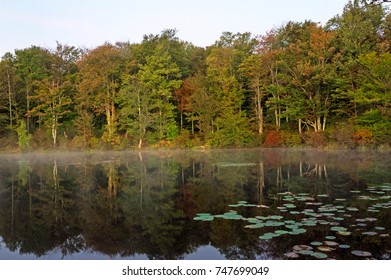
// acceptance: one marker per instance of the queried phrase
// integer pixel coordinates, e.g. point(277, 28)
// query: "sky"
point(90, 23)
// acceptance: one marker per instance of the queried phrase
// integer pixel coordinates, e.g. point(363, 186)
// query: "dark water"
point(256, 204)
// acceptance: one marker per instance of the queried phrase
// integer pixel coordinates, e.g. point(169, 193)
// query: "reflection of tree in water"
point(145, 203)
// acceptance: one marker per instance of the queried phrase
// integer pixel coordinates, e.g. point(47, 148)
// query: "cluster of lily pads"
point(316, 210)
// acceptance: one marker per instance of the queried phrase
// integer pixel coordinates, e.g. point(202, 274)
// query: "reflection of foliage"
point(144, 203)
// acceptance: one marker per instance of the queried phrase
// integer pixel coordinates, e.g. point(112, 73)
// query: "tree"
point(32, 65)
point(99, 85)
point(23, 136)
point(254, 69)
point(7, 74)
point(203, 105)
point(53, 94)
point(161, 76)
point(138, 108)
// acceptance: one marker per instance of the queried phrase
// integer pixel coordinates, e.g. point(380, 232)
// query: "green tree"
point(53, 94)
point(32, 65)
point(161, 77)
point(7, 85)
point(23, 136)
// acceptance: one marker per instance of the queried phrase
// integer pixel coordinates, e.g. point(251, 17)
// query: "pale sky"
point(90, 23)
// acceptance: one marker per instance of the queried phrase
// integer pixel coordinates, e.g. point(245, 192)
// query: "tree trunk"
point(319, 123)
point(260, 116)
point(54, 133)
point(300, 128)
point(324, 122)
point(9, 99)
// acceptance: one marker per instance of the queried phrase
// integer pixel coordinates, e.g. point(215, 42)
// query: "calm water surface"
point(223, 204)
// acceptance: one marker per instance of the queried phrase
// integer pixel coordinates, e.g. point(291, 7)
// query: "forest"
point(299, 85)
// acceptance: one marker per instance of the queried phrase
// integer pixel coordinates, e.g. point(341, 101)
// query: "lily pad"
point(331, 243)
point(259, 225)
point(325, 248)
point(281, 232)
point(316, 243)
point(379, 228)
point(319, 255)
point(291, 255)
point(203, 218)
point(361, 253)
point(338, 229)
point(344, 246)
point(276, 217)
point(322, 195)
point(289, 205)
point(299, 230)
point(330, 237)
point(305, 252)
point(370, 233)
point(298, 248)
point(344, 233)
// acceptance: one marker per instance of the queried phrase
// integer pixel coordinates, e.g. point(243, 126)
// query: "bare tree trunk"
point(9, 99)
point(324, 122)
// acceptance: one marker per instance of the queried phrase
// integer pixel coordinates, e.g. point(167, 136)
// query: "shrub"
point(343, 134)
point(273, 139)
point(291, 139)
point(23, 136)
point(315, 139)
point(363, 137)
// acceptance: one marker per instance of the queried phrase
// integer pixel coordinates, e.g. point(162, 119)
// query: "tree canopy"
point(299, 84)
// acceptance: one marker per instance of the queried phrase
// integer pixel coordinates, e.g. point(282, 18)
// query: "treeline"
point(300, 84)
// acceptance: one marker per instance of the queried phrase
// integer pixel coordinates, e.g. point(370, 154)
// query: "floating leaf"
point(302, 247)
point(291, 226)
point(291, 255)
point(344, 233)
point(259, 225)
point(203, 218)
point(369, 233)
point(281, 232)
point(338, 229)
point(330, 237)
point(305, 252)
point(361, 253)
point(331, 243)
point(344, 246)
point(322, 195)
point(299, 230)
point(289, 205)
point(379, 228)
point(319, 255)
point(325, 248)
point(276, 217)
point(316, 243)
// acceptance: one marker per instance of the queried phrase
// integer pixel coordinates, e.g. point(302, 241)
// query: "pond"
point(207, 204)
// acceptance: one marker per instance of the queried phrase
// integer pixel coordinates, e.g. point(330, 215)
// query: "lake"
point(211, 204)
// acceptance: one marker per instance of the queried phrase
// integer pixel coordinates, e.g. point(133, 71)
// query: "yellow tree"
point(99, 72)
